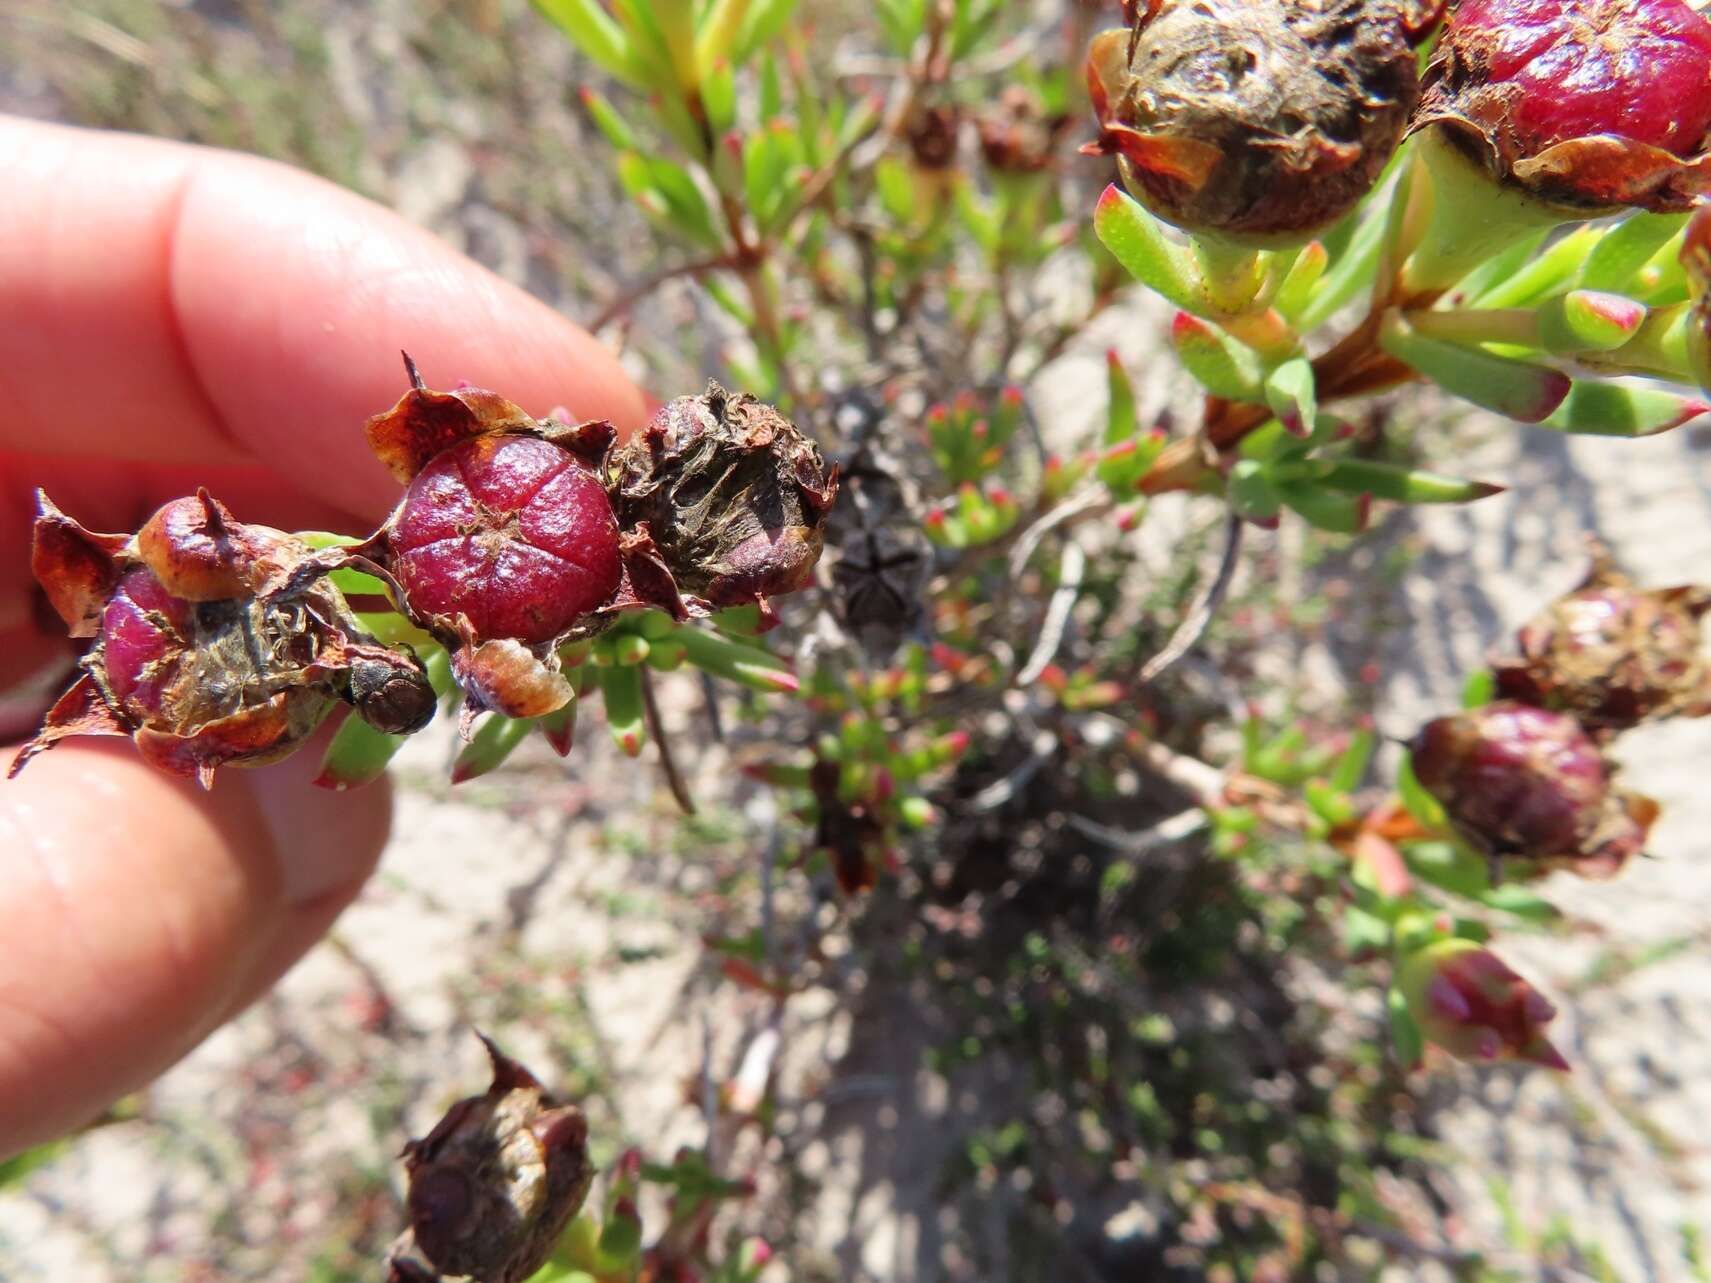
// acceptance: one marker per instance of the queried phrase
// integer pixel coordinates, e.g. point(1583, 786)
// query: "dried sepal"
point(1591, 105)
point(1613, 654)
point(82, 710)
point(425, 422)
point(493, 1185)
point(505, 676)
point(76, 568)
point(733, 494)
point(1258, 122)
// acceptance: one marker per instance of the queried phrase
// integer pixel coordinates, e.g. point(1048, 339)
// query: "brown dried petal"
point(75, 567)
point(492, 1187)
point(253, 736)
point(507, 677)
point(80, 711)
point(425, 422)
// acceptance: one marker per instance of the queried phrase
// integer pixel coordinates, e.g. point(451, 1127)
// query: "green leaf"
point(1588, 321)
point(1138, 241)
point(594, 32)
point(1353, 270)
point(766, 19)
point(1218, 362)
point(1290, 392)
point(720, 30)
point(1479, 689)
point(1302, 279)
point(1251, 493)
point(493, 742)
point(1403, 485)
point(1518, 389)
point(1405, 1033)
point(719, 97)
point(1351, 765)
point(1549, 273)
point(1451, 866)
point(357, 755)
point(609, 122)
point(1610, 409)
point(1121, 422)
point(1338, 513)
point(723, 657)
point(1626, 248)
point(1499, 267)
point(621, 691)
point(1521, 901)
point(19, 1166)
point(1420, 804)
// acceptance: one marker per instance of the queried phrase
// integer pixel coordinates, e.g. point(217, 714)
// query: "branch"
point(656, 728)
point(1074, 566)
point(625, 301)
point(1200, 614)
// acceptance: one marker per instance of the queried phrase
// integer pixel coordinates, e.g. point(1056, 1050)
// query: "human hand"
point(177, 317)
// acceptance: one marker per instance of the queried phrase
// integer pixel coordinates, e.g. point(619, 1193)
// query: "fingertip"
point(297, 350)
point(143, 911)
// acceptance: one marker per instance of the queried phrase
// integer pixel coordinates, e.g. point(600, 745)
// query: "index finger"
point(185, 306)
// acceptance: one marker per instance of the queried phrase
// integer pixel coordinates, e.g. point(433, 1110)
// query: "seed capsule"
point(1587, 104)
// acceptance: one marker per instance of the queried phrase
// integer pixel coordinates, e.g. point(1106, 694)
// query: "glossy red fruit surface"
point(1586, 103)
point(511, 532)
point(1523, 779)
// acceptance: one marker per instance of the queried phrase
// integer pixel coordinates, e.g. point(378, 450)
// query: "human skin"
point(171, 317)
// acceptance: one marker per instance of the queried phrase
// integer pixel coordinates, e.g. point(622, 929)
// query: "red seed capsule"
point(1528, 783)
point(199, 681)
point(1588, 104)
point(1466, 1000)
point(511, 532)
point(1613, 654)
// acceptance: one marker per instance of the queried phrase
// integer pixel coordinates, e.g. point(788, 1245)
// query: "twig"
point(997, 793)
point(1202, 781)
point(1174, 828)
point(1205, 606)
point(1072, 509)
point(656, 728)
point(621, 305)
point(1074, 566)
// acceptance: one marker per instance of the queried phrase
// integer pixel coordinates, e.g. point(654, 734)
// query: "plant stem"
point(656, 728)
point(1515, 325)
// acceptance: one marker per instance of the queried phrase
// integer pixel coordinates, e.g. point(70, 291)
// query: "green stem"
point(1515, 325)
point(1472, 218)
point(1233, 274)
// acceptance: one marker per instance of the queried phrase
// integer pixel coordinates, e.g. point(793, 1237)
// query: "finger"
point(201, 307)
point(153, 911)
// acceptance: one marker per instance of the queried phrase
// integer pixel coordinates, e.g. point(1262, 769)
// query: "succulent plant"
point(1587, 104)
point(731, 493)
point(1468, 1001)
point(1263, 122)
point(216, 642)
point(1527, 783)
point(493, 1185)
point(505, 544)
point(1612, 654)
